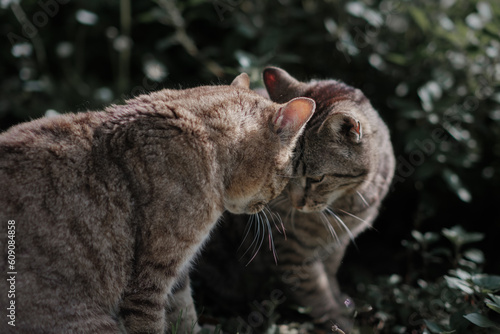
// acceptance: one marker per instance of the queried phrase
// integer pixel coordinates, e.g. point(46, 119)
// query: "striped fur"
point(341, 177)
point(110, 207)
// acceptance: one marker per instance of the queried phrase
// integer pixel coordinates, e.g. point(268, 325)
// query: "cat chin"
point(255, 208)
point(248, 209)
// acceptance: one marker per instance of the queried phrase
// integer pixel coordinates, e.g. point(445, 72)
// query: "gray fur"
point(111, 207)
point(343, 168)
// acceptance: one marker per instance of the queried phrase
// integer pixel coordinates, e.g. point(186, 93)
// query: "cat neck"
point(205, 126)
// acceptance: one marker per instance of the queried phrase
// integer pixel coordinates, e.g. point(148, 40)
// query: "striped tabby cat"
point(109, 208)
point(343, 167)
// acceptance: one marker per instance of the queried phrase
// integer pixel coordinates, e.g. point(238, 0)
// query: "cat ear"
point(353, 128)
point(242, 81)
point(344, 124)
point(289, 120)
point(278, 82)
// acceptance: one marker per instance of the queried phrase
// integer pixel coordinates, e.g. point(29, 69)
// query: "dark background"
point(427, 66)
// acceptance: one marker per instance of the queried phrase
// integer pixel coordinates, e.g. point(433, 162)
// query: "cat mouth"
point(309, 209)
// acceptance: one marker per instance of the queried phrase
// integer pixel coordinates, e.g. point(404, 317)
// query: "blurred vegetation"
point(431, 68)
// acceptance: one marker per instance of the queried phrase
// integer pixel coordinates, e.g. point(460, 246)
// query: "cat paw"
point(339, 327)
point(336, 324)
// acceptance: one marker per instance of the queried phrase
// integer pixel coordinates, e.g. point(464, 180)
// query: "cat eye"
point(318, 179)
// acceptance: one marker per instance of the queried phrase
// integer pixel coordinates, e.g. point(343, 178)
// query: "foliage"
point(464, 301)
point(432, 69)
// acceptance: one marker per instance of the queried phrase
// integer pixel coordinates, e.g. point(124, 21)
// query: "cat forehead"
point(328, 93)
point(330, 88)
point(337, 106)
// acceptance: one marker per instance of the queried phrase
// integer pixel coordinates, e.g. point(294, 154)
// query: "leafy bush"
point(432, 69)
point(464, 301)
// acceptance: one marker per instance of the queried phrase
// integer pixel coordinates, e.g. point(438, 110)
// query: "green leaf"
point(487, 282)
point(495, 299)
point(475, 255)
point(417, 236)
point(456, 283)
point(420, 18)
point(456, 185)
point(480, 320)
point(397, 59)
point(462, 274)
point(459, 237)
point(494, 306)
point(469, 265)
point(433, 327)
point(425, 238)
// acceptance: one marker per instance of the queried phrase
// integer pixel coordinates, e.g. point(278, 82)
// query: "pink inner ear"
point(270, 79)
point(356, 126)
point(295, 114)
point(299, 111)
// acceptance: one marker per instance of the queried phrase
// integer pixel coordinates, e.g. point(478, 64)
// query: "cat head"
point(337, 152)
point(265, 154)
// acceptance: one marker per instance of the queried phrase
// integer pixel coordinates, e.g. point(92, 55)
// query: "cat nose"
point(302, 208)
point(298, 203)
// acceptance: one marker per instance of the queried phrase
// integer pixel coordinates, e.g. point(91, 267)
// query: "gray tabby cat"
point(109, 208)
point(343, 167)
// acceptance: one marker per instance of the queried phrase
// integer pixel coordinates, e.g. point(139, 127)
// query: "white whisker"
point(368, 225)
point(253, 244)
point(374, 184)
point(247, 230)
point(278, 201)
point(283, 227)
point(258, 235)
point(271, 240)
point(353, 216)
point(266, 222)
point(281, 198)
point(362, 198)
point(271, 214)
point(277, 216)
point(326, 222)
point(341, 223)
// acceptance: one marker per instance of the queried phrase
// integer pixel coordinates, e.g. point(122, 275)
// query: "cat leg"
point(140, 319)
point(60, 314)
point(344, 303)
point(356, 224)
point(332, 264)
point(93, 321)
point(143, 306)
point(308, 285)
point(180, 311)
